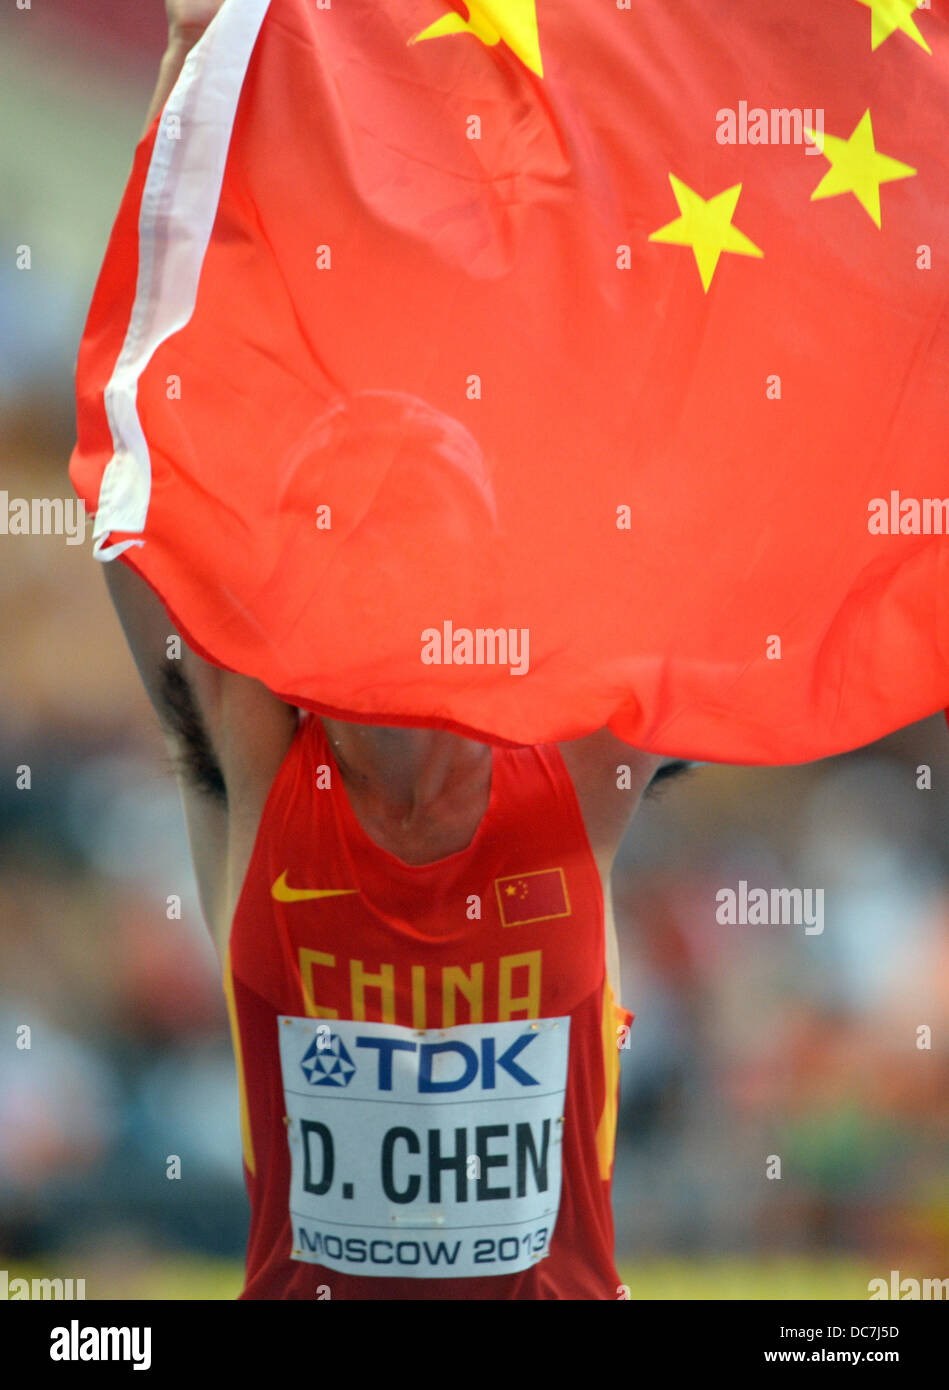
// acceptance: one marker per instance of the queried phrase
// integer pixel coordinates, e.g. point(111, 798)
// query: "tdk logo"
point(450, 1066)
point(326, 1061)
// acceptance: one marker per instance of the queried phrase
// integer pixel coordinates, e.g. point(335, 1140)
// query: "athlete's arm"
point(226, 736)
point(610, 779)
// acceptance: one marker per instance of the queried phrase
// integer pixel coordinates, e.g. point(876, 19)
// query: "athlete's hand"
point(188, 19)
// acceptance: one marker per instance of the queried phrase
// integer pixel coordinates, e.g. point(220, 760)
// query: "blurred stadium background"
point(748, 1041)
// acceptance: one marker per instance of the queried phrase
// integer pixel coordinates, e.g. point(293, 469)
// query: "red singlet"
point(427, 1054)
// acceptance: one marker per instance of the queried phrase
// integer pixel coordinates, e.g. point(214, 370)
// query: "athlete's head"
point(402, 479)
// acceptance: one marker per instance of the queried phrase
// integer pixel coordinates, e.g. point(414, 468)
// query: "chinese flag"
point(617, 332)
point(532, 897)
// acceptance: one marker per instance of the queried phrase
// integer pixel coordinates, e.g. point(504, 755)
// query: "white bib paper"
point(424, 1154)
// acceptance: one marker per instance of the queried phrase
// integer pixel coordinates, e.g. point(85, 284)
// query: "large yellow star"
point(886, 16)
point(514, 21)
point(706, 227)
point(857, 168)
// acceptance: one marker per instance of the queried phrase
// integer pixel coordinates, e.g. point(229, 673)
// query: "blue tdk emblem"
point(326, 1061)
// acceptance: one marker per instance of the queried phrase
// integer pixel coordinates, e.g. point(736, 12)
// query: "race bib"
point(433, 1154)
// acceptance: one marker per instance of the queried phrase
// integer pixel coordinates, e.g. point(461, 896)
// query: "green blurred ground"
point(700, 1278)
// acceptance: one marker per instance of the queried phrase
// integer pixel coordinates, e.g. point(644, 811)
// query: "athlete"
point(421, 969)
point(353, 875)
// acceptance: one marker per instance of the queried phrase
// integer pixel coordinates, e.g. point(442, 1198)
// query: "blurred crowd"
point(754, 1042)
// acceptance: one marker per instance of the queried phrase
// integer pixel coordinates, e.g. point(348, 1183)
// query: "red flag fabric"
point(526, 367)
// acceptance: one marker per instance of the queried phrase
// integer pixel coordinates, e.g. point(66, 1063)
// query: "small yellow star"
point(857, 168)
point(514, 21)
point(886, 16)
point(706, 227)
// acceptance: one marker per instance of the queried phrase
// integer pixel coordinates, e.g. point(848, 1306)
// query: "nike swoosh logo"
point(285, 894)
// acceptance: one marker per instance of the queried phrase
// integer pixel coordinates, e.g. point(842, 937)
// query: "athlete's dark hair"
point(195, 760)
point(668, 770)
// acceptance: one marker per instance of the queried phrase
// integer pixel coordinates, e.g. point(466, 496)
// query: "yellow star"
point(514, 21)
point(857, 168)
point(510, 890)
point(886, 16)
point(706, 227)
